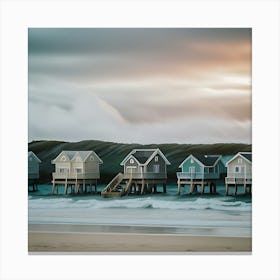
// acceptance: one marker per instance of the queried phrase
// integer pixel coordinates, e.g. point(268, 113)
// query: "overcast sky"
point(140, 85)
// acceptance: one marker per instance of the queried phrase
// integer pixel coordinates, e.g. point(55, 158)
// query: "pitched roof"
point(30, 153)
point(82, 154)
point(72, 155)
point(207, 160)
point(246, 155)
point(203, 160)
point(144, 156)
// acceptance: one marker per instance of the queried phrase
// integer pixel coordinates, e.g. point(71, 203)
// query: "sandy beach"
point(115, 242)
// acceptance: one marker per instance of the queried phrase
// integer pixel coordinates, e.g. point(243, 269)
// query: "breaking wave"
point(222, 204)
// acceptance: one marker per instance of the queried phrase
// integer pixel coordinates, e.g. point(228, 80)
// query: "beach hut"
point(75, 169)
point(239, 172)
point(33, 170)
point(200, 170)
point(143, 170)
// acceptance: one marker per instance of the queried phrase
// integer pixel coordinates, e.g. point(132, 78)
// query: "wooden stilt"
point(235, 189)
point(143, 186)
point(191, 188)
point(179, 188)
point(65, 187)
point(245, 190)
point(148, 186)
point(226, 189)
point(53, 186)
point(164, 187)
point(84, 186)
point(202, 187)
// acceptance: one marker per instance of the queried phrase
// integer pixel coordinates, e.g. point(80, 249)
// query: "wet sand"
point(133, 243)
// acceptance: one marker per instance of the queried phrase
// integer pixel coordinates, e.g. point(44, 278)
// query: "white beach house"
point(239, 171)
point(76, 168)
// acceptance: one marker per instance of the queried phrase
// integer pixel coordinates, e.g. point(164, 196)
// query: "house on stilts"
point(33, 171)
point(143, 171)
point(76, 170)
point(200, 170)
point(239, 172)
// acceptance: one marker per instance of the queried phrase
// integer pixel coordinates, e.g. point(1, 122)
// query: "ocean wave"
point(145, 202)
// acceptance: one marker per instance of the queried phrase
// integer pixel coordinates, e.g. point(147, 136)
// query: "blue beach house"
point(200, 170)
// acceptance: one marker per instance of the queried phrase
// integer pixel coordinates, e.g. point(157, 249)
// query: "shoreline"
point(42, 242)
point(139, 229)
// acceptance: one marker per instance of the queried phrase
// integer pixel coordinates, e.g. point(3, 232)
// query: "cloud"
point(114, 54)
point(140, 85)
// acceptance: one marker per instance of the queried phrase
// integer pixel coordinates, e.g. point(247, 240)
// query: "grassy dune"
point(113, 153)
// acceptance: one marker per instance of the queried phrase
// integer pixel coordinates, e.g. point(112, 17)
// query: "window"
point(62, 170)
point(240, 160)
point(63, 158)
point(156, 168)
point(156, 158)
point(91, 158)
point(236, 169)
point(131, 161)
point(78, 170)
point(191, 160)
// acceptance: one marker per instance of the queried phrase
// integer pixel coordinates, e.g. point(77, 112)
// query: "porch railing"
point(74, 175)
point(145, 175)
point(197, 175)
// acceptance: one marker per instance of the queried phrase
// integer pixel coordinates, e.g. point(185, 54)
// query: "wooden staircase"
point(113, 188)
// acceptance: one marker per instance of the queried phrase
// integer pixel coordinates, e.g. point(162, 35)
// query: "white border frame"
point(17, 16)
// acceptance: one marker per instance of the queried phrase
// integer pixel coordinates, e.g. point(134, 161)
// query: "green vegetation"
point(113, 153)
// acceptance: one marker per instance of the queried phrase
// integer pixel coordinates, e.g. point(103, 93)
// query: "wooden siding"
point(33, 166)
point(33, 169)
point(161, 163)
point(193, 170)
point(148, 171)
point(135, 168)
point(244, 165)
point(88, 170)
point(187, 164)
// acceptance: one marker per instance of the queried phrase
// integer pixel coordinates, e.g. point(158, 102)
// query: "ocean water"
point(212, 215)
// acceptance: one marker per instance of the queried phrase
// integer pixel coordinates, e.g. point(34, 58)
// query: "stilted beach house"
point(239, 172)
point(33, 170)
point(143, 170)
point(76, 169)
point(200, 170)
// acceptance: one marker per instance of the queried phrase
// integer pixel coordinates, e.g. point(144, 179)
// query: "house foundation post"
point(179, 188)
point(235, 189)
point(164, 187)
point(191, 188)
point(84, 186)
point(143, 187)
point(202, 187)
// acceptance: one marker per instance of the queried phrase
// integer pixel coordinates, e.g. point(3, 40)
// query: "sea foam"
point(222, 204)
